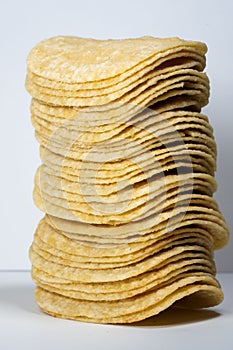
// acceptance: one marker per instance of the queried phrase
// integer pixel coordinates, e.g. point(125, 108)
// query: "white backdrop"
point(24, 23)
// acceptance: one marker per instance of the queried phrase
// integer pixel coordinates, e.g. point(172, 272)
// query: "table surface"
point(24, 326)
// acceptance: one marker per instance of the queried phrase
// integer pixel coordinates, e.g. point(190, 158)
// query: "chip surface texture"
point(127, 178)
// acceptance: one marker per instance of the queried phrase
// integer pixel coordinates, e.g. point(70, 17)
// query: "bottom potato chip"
point(136, 308)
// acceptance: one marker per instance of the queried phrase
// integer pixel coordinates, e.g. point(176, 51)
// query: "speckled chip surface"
point(126, 180)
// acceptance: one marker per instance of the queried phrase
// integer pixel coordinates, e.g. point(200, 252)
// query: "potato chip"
point(127, 178)
point(142, 307)
point(182, 57)
point(79, 60)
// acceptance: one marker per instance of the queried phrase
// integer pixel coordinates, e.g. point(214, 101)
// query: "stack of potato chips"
point(127, 178)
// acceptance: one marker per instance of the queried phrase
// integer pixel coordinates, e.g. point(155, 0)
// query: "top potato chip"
point(72, 59)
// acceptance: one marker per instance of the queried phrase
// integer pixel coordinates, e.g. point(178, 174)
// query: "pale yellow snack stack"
point(126, 180)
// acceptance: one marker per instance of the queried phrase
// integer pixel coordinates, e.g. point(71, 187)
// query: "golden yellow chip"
point(82, 60)
point(135, 308)
point(127, 178)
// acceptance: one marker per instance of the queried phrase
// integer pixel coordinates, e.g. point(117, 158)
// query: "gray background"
point(24, 23)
